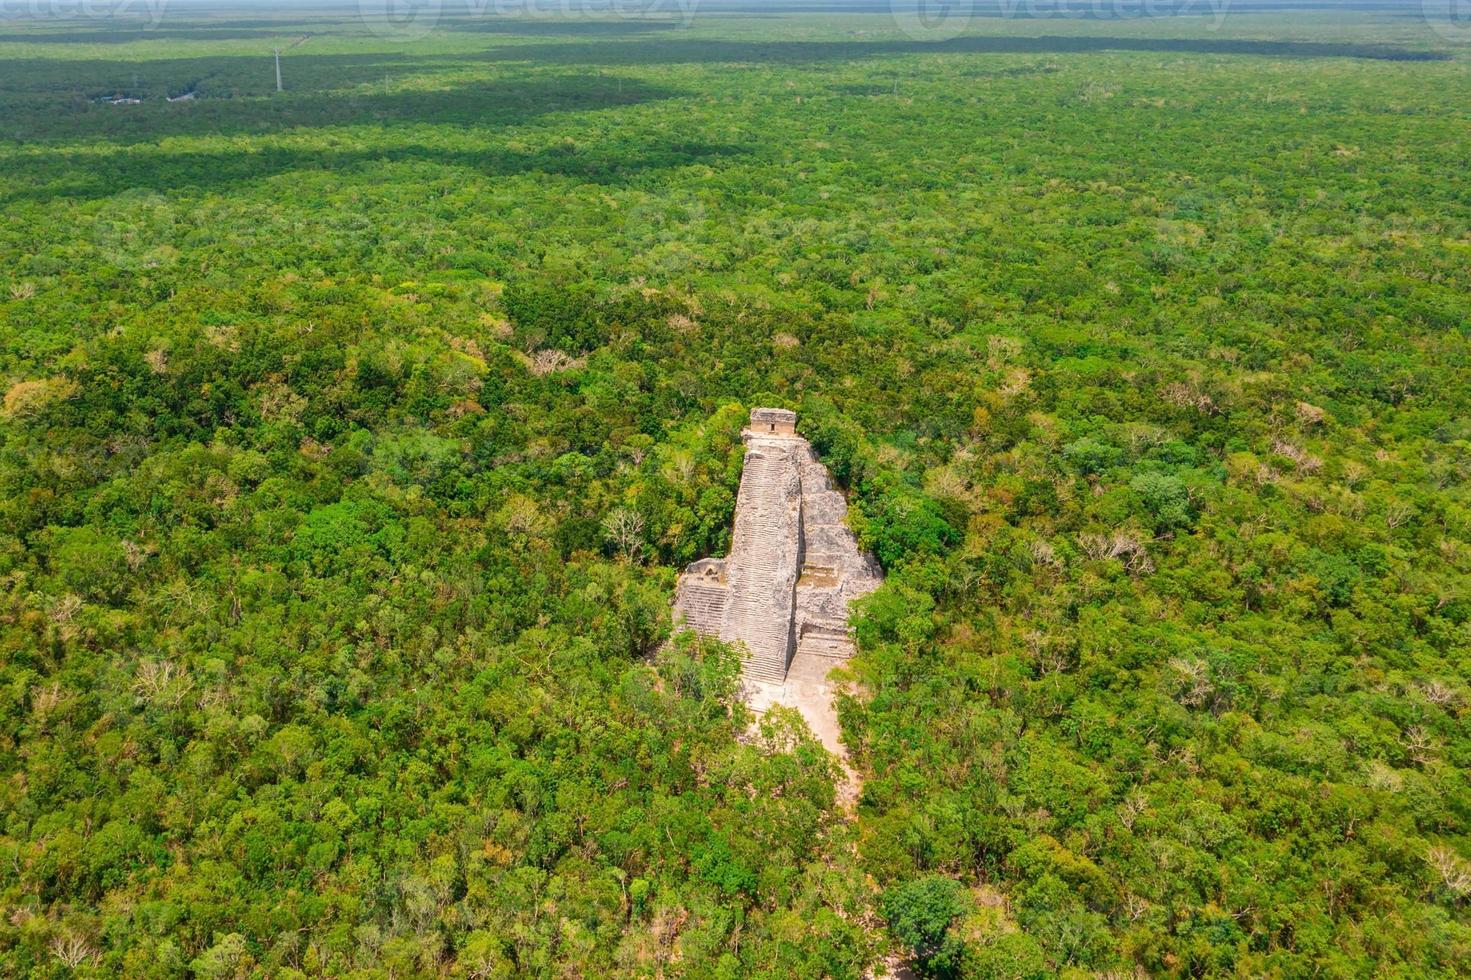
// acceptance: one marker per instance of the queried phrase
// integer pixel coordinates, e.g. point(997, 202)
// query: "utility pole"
point(278, 68)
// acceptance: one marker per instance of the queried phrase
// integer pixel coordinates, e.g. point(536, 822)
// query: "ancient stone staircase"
point(704, 607)
point(759, 611)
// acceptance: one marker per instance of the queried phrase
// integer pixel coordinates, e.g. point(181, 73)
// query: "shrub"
point(920, 913)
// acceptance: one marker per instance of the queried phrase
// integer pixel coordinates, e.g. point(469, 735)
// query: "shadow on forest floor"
point(56, 88)
point(224, 74)
point(655, 51)
point(136, 34)
point(74, 175)
point(291, 29)
point(498, 102)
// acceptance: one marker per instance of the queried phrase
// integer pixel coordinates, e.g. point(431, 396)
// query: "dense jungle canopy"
point(1140, 346)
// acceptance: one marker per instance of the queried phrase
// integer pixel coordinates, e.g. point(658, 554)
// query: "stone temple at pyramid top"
point(782, 594)
point(773, 421)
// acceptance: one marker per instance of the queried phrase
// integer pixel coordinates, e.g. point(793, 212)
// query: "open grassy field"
point(1140, 346)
